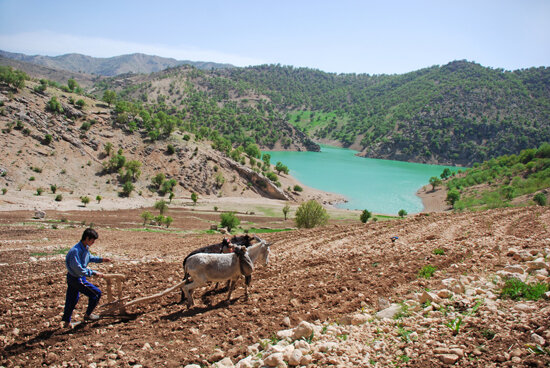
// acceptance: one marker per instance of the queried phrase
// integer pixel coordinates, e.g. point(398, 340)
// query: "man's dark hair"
point(89, 233)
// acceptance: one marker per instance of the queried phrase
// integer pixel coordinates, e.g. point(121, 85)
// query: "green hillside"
point(503, 181)
point(458, 114)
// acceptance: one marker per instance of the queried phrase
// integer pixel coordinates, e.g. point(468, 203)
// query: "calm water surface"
point(381, 186)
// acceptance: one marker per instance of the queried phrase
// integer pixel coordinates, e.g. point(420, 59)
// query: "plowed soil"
point(317, 274)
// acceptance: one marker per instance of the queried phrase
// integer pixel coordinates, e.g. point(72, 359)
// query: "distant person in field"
point(77, 260)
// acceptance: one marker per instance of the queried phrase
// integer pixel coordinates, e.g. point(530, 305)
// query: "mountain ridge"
point(111, 66)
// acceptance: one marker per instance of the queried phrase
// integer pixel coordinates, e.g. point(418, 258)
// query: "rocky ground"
point(341, 295)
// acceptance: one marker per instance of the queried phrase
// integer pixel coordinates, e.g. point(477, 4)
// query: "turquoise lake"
point(380, 186)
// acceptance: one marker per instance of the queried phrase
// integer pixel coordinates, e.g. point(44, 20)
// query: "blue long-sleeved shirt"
point(77, 260)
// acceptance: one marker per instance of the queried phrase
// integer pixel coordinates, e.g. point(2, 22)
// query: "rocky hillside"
point(82, 151)
point(57, 75)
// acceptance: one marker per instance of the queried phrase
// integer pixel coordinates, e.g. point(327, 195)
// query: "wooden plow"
point(117, 307)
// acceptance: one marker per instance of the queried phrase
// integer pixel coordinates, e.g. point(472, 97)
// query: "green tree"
point(98, 198)
point(311, 214)
point(280, 167)
point(146, 216)
point(446, 173)
point(167, 221)
point(453, 195)
point(127, 188)
point(161, 206)
point(435, 182)
point(167, 186)
point(229, 220)
point(286, 210)
point(158, 180)
point(108, 148)
point(365, 216)
point(54, 105)
point(219, 179)
point(540, 199)
point(53, 188)
point(171, 196)
point(252, 150)
point(13, 78)
point(194, 197)
point(109, 96)
point(85, 200)
point(134, 169)
point(71, 83)
point(80, 103)
point(402, 213)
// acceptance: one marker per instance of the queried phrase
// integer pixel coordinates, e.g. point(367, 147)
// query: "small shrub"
point(540, 199)
point(311, 214)
point(54, 105)
point(85, 200)
point(229, 220)
point(516, 289)
point(39, 191)
point(4, 191)
point(298, 188)
point(58, 198)
point(80, 103)
point(402, 213)
point(32, 178)
point(438, 252)
point(427, 271)
point(48, 139)
point(365, 215)
point(170, 149)
point(98, 198)
point(53, 188)
point(146, 216)
point(85, 126)
point(161, 206)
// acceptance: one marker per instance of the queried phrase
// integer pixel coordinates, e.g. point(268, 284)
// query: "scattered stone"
point(274, 360)
point(218, 354)
point(448, 358)
point(38, 214)
point(304, 329)
point(224, 363)
point(390, 312)
point(295, 357)
point(537, 339)
point(286, 322)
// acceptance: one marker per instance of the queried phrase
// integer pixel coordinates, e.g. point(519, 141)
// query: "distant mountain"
point(133, 63)
point(58, 75)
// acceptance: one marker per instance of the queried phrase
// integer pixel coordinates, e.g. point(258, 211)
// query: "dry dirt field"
point(319, 275)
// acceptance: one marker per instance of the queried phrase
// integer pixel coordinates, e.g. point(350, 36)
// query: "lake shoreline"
point(433, 200)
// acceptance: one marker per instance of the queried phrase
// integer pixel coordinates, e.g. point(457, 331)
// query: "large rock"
point(274, 360)
point(304, 329)
point(389, 312)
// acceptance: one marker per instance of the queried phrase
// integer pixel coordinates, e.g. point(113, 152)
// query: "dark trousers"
point(75, 286)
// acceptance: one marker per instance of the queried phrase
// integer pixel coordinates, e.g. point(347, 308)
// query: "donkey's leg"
point(188, 290)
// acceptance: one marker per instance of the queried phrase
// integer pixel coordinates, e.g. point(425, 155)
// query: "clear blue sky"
point(340, 36)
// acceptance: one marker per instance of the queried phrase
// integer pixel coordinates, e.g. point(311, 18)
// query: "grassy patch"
point(51, 253)
point(162, 231)
point(516, 289)
point(427, 271)
point(259, 231)
point(438, 252)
